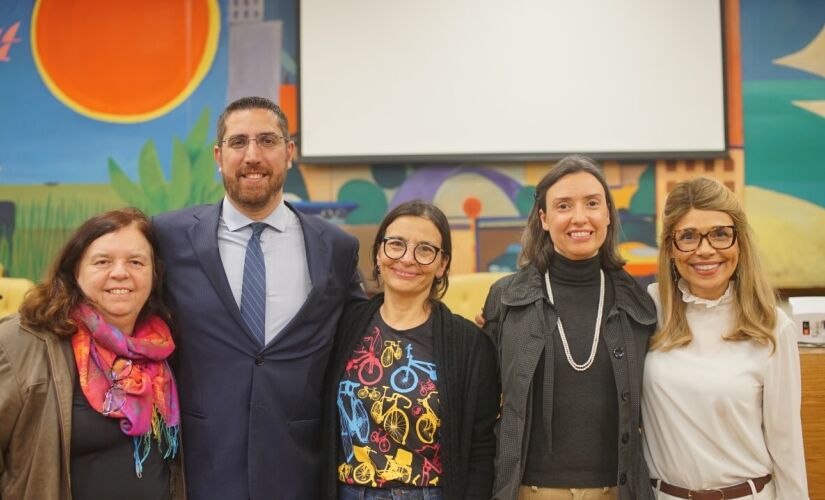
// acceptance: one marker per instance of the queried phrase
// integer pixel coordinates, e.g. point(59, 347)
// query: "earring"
point(378, 270)
point(674, 273)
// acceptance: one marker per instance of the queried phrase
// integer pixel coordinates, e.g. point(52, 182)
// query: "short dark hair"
point(49, 305)
point(536, 245)
point(253, 102)
point(419, 208)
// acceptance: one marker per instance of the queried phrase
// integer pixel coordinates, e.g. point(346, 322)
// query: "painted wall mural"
point(105, 104)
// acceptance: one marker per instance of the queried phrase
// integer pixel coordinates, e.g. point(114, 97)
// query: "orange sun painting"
point(124, 62)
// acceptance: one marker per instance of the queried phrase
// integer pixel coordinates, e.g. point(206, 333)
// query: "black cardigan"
point(468, 392)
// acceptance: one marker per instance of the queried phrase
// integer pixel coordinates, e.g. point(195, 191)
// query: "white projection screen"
point(463, 80)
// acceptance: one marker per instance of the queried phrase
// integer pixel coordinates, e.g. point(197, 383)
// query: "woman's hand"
point(480, 321)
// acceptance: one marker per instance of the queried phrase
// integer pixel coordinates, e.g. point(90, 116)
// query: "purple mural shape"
point(424, 182)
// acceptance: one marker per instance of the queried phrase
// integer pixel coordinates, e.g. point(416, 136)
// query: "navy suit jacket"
point(251, 415)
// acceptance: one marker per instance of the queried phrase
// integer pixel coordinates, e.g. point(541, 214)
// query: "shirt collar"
point(688, 297)
point(235, 219)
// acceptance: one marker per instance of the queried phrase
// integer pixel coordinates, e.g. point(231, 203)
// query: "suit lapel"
point(204, 237)
point(318, 251)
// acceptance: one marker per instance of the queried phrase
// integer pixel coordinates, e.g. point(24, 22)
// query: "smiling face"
point(254, 176)
point(405, 276)
point(576, 215)
point(706, 270)
point(115, 274)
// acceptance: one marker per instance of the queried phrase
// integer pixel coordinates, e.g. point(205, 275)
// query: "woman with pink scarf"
point(88, 404)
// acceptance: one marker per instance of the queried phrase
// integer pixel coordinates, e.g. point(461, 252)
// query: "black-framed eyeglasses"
point(719, 237)
point(266, 141)
point(115, 396)
point(423, 253)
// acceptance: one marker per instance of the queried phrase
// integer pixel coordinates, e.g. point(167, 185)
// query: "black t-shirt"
point(103, 462)
point(388, 409)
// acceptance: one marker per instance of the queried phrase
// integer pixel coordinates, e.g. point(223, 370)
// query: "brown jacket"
point(37, 373)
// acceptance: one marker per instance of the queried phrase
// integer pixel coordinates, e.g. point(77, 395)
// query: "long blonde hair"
point(753, 297)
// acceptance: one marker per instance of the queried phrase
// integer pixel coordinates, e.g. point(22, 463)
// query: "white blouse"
point(716, 412)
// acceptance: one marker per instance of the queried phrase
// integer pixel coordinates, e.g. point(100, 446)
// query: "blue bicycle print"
point(405, 379)
point(354, 419)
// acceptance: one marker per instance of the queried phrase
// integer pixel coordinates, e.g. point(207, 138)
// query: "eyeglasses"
point(719, 237)
point(423, 253)
point(115, 396)
point(266, 141)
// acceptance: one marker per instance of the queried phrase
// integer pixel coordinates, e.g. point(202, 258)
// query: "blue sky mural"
point(44, 141)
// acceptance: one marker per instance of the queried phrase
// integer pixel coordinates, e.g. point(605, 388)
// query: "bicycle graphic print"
point(428, 422)
point(366, 362)
point(354, 420)
point(396, 422)
point(405, 378)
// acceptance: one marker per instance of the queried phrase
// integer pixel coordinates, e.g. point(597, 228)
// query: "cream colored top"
point(717, 412)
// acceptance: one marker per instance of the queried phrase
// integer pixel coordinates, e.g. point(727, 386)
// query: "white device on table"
point(809, 317)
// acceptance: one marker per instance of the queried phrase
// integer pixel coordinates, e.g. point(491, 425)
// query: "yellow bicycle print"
point(396, 422)
point(428, 422)
point(391, 352)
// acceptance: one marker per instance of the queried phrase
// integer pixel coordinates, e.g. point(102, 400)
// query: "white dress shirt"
point(287, 274)
point(717, 412)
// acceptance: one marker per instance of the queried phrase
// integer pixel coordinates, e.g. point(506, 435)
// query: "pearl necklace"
point(589, 362)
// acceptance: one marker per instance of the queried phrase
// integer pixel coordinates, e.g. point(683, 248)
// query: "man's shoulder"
point(174, 219)
point(326, 228)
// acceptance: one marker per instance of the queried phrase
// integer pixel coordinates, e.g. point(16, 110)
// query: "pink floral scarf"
point(148, 403)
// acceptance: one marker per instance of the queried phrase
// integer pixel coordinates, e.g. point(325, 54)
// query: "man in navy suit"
point(250, 393)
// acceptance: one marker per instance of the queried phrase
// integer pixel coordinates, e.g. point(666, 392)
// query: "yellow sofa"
point(467, 292)
point(12, 291)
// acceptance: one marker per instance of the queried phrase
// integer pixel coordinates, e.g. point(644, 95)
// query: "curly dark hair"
point(48, 306)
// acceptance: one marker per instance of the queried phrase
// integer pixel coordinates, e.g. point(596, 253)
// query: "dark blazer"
point(251, 415)
point(468, 397)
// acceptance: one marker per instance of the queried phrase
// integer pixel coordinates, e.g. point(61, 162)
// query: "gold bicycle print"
point(391, 352)
point(364, 472)
point(396, 422)
point(369, 392)
point(398, 467)
point(428, 422)
point(343, 472)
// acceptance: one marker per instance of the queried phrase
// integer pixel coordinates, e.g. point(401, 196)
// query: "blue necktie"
point(253, 293)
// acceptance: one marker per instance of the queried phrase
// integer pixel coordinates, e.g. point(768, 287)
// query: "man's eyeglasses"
point(115, 396)
point(423, 253)
point(266, 141)
point(719, 237)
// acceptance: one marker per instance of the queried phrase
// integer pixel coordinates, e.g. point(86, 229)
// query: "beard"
point(258, 196)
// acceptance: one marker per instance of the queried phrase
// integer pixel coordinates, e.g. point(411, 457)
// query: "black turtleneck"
point(585, 421)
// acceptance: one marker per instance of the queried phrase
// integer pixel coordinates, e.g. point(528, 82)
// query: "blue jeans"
point(350, 492)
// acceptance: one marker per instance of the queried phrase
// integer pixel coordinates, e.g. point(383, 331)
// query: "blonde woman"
point(721, 392)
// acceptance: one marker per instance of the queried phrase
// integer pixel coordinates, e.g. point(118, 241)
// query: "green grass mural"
point(192, 179)
point(45, 215)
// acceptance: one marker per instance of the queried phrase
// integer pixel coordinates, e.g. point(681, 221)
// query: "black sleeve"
point(492, 312)
point(483, 442)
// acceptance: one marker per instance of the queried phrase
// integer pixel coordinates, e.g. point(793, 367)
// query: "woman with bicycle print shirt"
point(412, 392)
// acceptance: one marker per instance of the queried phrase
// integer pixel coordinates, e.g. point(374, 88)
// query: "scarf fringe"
point(167, 438)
